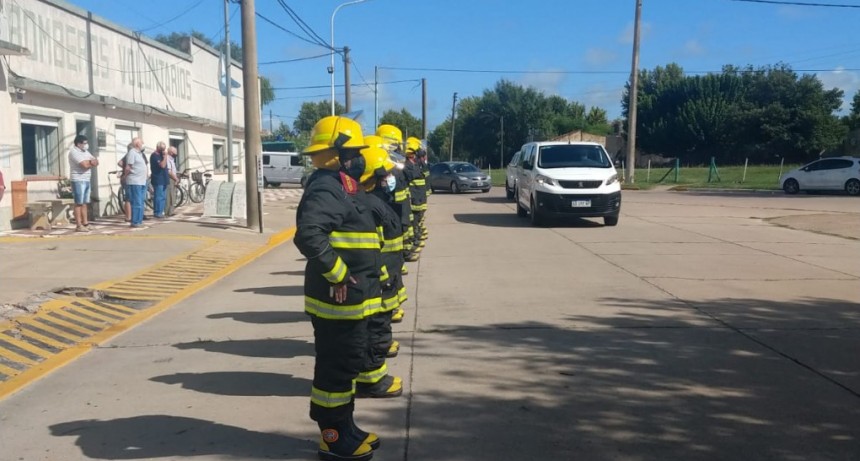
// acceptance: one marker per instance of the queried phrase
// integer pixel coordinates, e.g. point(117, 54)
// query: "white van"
point(282, 168)
point(556, 179)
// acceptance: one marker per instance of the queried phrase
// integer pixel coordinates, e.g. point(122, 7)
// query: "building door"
point(123, 136)
point(178, 142)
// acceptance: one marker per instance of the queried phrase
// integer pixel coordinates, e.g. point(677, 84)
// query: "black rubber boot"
point(385, 388)
point(339, 442)
point(368, 437)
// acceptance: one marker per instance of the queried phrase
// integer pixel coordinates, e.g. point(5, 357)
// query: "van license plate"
point(581, 204)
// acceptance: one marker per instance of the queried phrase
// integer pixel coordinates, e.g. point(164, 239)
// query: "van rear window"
point(573, 156)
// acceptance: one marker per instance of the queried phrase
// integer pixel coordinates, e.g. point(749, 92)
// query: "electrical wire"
point(304, 26)
point(776, 2)
point(291, 32)
point(412, 80)
point(358, 71)
point(162, 23)
point(595, 72)
point(306, 58)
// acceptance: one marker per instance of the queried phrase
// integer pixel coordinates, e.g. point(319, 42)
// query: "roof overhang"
point(11, 49)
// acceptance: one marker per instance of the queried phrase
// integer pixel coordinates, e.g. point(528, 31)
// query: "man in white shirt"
point(81, 163)
point(136, 172)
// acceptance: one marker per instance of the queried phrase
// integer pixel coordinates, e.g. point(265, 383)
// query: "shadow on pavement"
point(299, 273)
point(491, 199)
point(263, 317)
point(492, 219)
point(165, 436)
point(275, 290)
point(636, 391)
point(265, 348)
point(240, 383)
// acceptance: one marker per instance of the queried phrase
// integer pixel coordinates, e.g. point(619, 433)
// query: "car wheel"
point(509, 193)
point(610, 220)
point(537, 218)
point(485, 190)
point(521, 212)
point(852, 187)
point(275, 184)
point(791, 186)
point(265, 182)
point(455, 189)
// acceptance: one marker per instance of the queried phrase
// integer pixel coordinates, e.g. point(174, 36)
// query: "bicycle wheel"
point(180, 196)
point(197, 192)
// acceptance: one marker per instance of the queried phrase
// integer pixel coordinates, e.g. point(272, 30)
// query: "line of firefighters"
point(361, 216)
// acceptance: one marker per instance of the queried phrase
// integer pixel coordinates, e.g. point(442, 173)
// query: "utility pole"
point(502, 142)
point(423, 108)
point(453, 119)
point(251, 84)
point(375, 97)
point(346, 79)
point(634, 95)
point(271, 123)
point(228, 65)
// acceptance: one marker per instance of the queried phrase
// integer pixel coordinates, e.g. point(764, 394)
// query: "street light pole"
point(502, 142)
point(333, 49)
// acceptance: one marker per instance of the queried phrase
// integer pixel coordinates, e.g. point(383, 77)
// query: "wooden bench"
point(39, 216)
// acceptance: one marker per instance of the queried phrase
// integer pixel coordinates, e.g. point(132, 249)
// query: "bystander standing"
point(160, 179)
point(135, 178)
point(174, 181)
point(81, 163)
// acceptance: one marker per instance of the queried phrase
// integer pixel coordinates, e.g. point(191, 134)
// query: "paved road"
point(693, 330)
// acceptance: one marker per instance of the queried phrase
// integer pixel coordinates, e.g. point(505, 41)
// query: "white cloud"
point(549, 83)
point(626, 36)
point(604, 96)
point(847, 81)
point(598, 57)
point(693, 48)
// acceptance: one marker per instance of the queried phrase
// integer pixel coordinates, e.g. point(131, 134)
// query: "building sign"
point(124, 66)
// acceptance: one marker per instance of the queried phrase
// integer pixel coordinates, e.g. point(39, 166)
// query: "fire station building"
point(65, 71)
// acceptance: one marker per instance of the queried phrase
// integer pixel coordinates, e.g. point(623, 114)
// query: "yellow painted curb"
point(71, 353)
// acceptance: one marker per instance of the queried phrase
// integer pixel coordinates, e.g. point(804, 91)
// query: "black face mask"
point(356, 168)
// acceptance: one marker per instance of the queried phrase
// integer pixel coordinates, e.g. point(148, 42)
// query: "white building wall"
point(136, 83)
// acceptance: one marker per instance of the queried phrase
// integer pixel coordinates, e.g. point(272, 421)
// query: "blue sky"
point(516, 35)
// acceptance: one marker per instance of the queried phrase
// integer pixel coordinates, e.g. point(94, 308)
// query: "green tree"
point(403, 119)
point(311, 112)
point(177, 39)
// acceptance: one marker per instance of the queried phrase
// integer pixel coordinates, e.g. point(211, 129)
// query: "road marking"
point(63, 329)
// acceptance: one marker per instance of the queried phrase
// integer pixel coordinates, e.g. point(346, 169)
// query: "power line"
point(776, 2)
point(360, 75)
point(316, 87)
point(595, 72)
point(304, 26)
point(162, 23)
point(291, 32)
point(306, 58)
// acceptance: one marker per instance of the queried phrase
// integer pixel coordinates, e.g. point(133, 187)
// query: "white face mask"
point(391, 181)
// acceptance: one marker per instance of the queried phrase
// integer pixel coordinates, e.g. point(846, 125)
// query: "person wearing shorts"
point(81, 163)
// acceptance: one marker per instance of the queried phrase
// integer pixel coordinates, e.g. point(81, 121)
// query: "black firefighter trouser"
point(341, 354)
point(379, 340)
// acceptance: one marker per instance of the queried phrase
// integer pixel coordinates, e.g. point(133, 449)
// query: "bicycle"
point(117, 199)
point(197, 189)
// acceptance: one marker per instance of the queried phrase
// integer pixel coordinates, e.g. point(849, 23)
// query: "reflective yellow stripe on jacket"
point(418, 182)
point(340, 311)
point(354, 240)
point(401, 195)
point(373, 376)
point(331, 399)
point(422, 207)
point(337, 273)
point(393, 245)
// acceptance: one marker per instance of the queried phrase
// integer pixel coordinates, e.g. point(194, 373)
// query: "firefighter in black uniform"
point(417, 183)
point(376, 180)
point(421, 233)
point(337, 234)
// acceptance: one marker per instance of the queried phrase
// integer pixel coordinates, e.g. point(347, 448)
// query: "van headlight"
point(612, 180)
point(545, 180)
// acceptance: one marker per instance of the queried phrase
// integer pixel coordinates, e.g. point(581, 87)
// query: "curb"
point(32, 346)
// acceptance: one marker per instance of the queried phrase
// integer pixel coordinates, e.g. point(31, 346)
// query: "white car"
point(511, 175)
point(556, 179)
point(835, 173)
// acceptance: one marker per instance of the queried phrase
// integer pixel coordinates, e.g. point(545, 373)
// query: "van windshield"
point(573, 156)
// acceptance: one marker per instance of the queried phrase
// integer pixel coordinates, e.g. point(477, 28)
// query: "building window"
point(219, 156)
point(237, 158)
point(40, 143)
